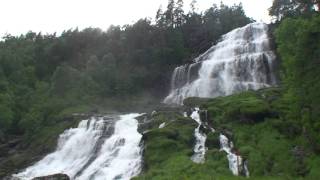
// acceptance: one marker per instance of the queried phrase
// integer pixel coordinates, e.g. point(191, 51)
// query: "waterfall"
point(99, 148)
point(242, 60)
point(236, 164)
point(199, 147)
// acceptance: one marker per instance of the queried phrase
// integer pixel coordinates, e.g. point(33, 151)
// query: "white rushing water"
point(242, 60)
point(236, 163)
point(199, 148)
point(162, 125)
point(98, 149)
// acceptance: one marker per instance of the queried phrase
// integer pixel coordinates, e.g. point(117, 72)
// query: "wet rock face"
point(185, 74)
point(145, 123)
point(53, 177)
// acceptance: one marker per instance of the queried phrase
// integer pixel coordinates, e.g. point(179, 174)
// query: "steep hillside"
point(256, 123)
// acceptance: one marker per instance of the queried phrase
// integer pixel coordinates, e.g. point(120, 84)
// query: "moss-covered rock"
point(212, 141)
point(168, 150)
point(53, 177)
point(254, 121)
point(161, 144)
point(192, 102)
point(246, 107)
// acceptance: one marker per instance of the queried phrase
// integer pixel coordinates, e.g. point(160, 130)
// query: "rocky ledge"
point(53, 177)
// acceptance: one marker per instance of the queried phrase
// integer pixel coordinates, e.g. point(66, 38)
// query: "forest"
point(43, 75)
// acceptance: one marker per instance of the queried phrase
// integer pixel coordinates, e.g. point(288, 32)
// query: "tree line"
point(293, 8)
point(44, 75)
point(297, 35)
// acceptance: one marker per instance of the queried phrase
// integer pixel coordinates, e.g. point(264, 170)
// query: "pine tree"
point(169, 14)
point(179, 14)
point(159, 13)
point(160, 17)
point(289, 8)
point(193, 6)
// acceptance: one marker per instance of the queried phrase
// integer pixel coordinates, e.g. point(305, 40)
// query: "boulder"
point(53, 177)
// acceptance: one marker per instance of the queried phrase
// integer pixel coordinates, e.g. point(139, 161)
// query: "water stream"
point(103, 148)
point(199, 147)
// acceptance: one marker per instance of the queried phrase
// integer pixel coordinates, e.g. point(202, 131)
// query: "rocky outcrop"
point(53, 177)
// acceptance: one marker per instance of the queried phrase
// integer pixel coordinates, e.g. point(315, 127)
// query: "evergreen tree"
point(169, 14)
point(289, 8)
point(160, 19)
point(193, 6)
point(179, 14)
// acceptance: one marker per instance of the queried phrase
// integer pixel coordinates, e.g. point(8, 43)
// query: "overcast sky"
point(48, 16)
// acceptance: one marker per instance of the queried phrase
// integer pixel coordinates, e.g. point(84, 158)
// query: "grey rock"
point(53, 177)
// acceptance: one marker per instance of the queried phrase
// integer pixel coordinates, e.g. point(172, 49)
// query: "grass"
point(258, 129)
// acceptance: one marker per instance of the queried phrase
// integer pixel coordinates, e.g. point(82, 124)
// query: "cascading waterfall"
point(243, 60)
point(103, 148)
point(199, 148)
point(236, 163)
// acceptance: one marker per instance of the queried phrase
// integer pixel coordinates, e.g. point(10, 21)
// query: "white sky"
point(48, 16)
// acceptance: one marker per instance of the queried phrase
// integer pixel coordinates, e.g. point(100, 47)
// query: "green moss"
point(259, 131)
point(161, 144)
point(194, 101)
point(168, 151)
point(314, 166)
point(212, 141)
point(245, 107)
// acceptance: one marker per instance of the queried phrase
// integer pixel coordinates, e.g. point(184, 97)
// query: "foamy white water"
point(162, 125)
point(236, 164)
point(199, 148)
point(243, 60)
point(89, 152)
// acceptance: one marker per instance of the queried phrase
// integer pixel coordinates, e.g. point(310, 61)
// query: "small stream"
point(199, 148)
point(237, 164)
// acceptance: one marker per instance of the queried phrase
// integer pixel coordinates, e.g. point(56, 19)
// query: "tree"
point(179, 14)
point(160, 18)
point(289, 8)
point(169, 14)
point(193, 6)
point(298, 46)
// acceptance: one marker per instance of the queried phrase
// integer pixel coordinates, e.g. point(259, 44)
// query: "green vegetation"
point(299, 49)
point(255, 120)
point(43, 75)
point(168, 151)
point(259, 132)
point(282, 9)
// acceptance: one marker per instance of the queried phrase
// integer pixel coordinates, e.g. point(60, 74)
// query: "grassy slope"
point(255, 122)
